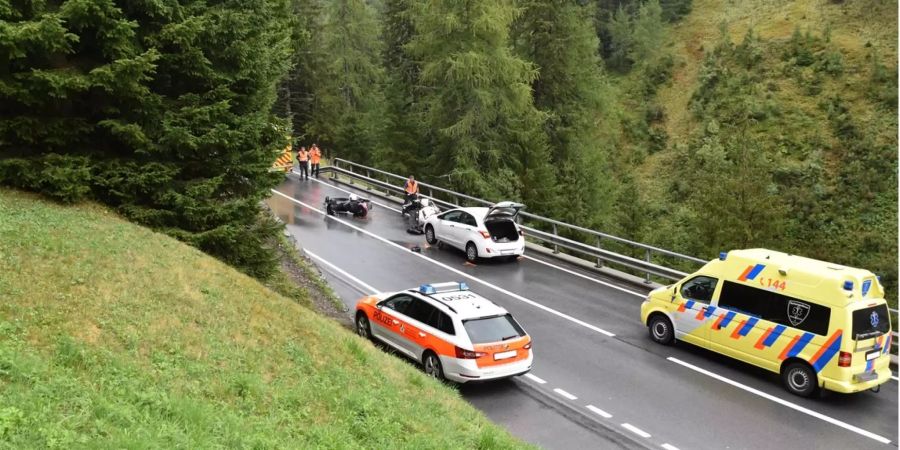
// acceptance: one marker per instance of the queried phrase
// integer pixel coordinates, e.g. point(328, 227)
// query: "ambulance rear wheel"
point(799, 379)
point(432, 366)
point(661, 330)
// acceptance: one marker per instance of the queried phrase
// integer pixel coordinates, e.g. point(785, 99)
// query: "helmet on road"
point(354, 197)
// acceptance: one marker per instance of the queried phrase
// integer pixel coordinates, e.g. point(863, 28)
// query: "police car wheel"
point(471, 252)
point(362, 326)
point(429, 235)
point(799, 379)
point(432, 366)
point(661, 330)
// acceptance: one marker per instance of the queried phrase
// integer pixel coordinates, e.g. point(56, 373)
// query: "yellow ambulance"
point(819, 325)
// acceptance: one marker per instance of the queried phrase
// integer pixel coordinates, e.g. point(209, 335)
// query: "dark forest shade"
point(161, 109)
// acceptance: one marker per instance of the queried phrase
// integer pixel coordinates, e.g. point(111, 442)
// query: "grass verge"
point(113, 336)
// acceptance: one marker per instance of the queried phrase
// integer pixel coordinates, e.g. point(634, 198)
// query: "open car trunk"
point(502, 230)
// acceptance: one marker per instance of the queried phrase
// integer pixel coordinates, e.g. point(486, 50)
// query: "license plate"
point(504, 355)
point(872, 355)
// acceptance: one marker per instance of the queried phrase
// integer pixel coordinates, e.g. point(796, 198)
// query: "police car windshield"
point(492, 329)
point(871, 322)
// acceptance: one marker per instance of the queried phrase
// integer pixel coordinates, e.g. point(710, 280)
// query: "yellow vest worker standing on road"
point(303, 162)
point(314, 155)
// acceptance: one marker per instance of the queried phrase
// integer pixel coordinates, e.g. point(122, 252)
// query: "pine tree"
point(404, 150)
point(162, 111)
point(348, 114)
point(296, 93)
point(558, 37)
point(476, 102)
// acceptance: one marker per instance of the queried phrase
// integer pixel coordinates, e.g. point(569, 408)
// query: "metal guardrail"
point(596, 252)
point(532, 224)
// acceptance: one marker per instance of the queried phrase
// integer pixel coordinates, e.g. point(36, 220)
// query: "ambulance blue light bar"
point(723, 255)
point(848, 285)
point(438, 288)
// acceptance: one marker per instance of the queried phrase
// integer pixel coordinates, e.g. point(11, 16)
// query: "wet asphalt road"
point(626, 376)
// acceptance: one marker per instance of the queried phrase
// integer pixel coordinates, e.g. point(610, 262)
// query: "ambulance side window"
point(699, 289)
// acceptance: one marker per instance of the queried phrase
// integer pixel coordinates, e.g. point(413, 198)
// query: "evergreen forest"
point(696, 126)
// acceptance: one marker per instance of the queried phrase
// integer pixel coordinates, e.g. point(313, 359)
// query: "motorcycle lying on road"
point(359, 207)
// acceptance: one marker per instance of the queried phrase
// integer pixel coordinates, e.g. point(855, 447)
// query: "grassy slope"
point(113, 336)
point(858, 29)
point(853, 24)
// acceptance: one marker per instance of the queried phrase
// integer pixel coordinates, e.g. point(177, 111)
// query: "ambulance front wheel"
point(661, 329)
point(799, 379)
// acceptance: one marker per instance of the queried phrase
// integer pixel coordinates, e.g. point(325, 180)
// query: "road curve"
point(598, 381)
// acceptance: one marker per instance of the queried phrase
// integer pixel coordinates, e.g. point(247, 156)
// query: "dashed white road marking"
point(454, 270)
point(367, 287)
point(565, 394)
point(599, 411)
point(791, 405)
point(535, 378)
point(668, 446)
point(572, 272)
point(592, 327)
point(636, 430)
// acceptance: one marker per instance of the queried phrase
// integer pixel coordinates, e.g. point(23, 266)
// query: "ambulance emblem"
point(874, 319)
point(797, 312)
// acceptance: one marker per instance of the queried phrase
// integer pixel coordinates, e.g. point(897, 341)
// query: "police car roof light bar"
point(437, 288)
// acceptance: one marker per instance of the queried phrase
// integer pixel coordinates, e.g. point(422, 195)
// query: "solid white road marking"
point(456, 271)
point(635, 430)
point(775, 399)
point(565, 394)
point(895, 378)
point(535, 379)
point(571, 272)
point(618, 288)
point(368, 287)
point(599, 411)
point(599, 330)
point(669, 447)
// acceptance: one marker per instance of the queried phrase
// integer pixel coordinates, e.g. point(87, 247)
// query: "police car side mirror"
point(674, 292)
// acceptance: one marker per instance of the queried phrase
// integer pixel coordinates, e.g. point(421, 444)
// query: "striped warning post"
point(284, 161)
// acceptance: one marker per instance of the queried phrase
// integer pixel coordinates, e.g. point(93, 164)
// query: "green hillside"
point(113, 336)
point(773, 125)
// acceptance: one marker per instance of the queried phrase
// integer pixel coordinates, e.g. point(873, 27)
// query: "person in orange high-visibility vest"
point(303, 162)
point(411, 188)
point(314, 155)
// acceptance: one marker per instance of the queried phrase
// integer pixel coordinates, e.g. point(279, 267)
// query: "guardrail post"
point(599, 261)
point(555, 246)
point(647, 279)
point(368, 175)
point(334, 164)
